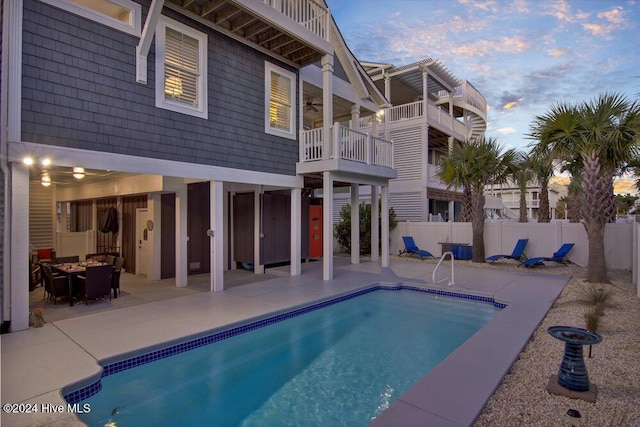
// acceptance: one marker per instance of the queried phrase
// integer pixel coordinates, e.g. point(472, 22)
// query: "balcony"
point(405, 114)
point(295, 30)
point(346, 150)
point(531, 203)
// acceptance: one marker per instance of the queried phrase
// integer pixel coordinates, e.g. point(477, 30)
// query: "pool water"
point(340, 365)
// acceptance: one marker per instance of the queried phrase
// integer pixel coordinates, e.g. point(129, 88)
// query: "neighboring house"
point(431, 110)
point(204, 124)
point(509, 193)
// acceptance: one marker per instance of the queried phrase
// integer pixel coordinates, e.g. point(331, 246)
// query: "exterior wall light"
point(78, 173)
point(46, 179)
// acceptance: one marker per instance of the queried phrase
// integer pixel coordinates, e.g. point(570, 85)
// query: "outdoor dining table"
point(73, 269)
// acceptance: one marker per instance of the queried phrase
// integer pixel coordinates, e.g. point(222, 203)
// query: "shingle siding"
point(79, 91)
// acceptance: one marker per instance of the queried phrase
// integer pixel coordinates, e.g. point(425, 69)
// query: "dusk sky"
point(523, 55)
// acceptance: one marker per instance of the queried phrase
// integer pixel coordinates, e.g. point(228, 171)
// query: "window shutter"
point(280, 103)
point(181, 68)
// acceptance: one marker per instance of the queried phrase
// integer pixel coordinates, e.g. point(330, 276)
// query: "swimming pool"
point(343, 364)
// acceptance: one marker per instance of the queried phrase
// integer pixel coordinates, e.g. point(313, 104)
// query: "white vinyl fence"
point(621, 240)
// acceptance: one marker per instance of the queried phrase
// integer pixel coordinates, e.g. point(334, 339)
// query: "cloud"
point(598, 30)
point(480, 48)
point(615, 15)
point(511, 104)
point(557, 52)
point(615, 20)
point(560, 10)
point(488, 5)
point(505, 130)
point(521, 6)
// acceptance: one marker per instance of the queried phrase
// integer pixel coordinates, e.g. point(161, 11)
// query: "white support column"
point(355, 225)
point(387, 87)
point(19, 252)
point(424, 159)
point(296, 231)
point(327, 226)
point(452, 213)
point(327, 104)
point(181, 237)
point(384, 202)
point(375, 224)
point(355, 117)
point(232, 261)
point(425, 94)
point(216, 239)
point(257, 226)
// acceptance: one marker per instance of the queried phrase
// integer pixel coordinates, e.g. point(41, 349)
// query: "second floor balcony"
point(345, 150)
point(295, 30)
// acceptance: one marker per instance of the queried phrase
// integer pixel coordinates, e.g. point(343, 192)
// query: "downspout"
point(10, 123)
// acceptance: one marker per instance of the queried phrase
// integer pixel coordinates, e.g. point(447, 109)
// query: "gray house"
point(203, 124)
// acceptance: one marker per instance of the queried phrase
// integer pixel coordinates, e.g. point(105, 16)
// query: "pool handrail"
point(452, 278)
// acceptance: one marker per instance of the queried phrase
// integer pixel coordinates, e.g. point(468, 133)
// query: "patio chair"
point(54, 286)
point(95, 283)
point(68, 259)
point(411, 248)
point(517, 254)
point(47, 255)
point(560, 256)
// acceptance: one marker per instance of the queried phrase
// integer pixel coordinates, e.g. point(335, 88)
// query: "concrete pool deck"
point(38, 362)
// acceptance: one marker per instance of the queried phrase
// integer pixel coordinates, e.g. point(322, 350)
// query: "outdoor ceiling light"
point(28, 160)
point(46, 179)
point(46, 161)
point(78, 173)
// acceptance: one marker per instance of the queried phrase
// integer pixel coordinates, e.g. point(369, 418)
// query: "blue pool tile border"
point(86, 392)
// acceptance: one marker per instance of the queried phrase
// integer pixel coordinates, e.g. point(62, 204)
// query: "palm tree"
point(522, 174)
point(604, 134)
point(474, 165)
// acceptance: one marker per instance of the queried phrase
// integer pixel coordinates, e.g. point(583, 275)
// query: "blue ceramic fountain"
point(573, 372)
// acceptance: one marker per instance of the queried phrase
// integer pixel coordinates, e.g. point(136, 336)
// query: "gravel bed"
point(522, 398)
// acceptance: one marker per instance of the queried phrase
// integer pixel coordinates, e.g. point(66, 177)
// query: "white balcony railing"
point(348, 144)
point(309, 13)
point(413, 110)
point(531, 203)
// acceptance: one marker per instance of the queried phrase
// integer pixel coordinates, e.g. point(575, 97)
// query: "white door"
point(142, 241)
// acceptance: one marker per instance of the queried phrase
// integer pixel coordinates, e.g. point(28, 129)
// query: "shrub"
point(595, 296)
point(343, 227)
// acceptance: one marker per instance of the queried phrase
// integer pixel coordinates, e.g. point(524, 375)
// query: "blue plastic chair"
point(517, 254)
point(559, 257)
point(411, 248)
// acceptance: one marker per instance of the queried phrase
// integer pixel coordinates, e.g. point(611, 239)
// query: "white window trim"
point(134, 27)
point(291, 133)
point(202, 109)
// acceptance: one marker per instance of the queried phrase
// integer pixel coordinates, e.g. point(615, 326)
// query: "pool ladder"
point(452, 278)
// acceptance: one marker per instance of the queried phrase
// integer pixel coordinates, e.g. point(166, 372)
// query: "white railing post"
point(368, 151)
point(302, 146)
point(336, 143)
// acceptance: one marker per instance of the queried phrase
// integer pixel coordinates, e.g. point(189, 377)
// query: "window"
point(123, 15)
point(279, 101)
point(181, 69)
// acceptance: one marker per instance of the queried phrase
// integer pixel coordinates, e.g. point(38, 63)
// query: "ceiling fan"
point(311, 106)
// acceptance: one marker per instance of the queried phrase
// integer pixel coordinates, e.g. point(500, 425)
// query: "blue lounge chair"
point(411, 248)
point(517, 254)
point(559, 257)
